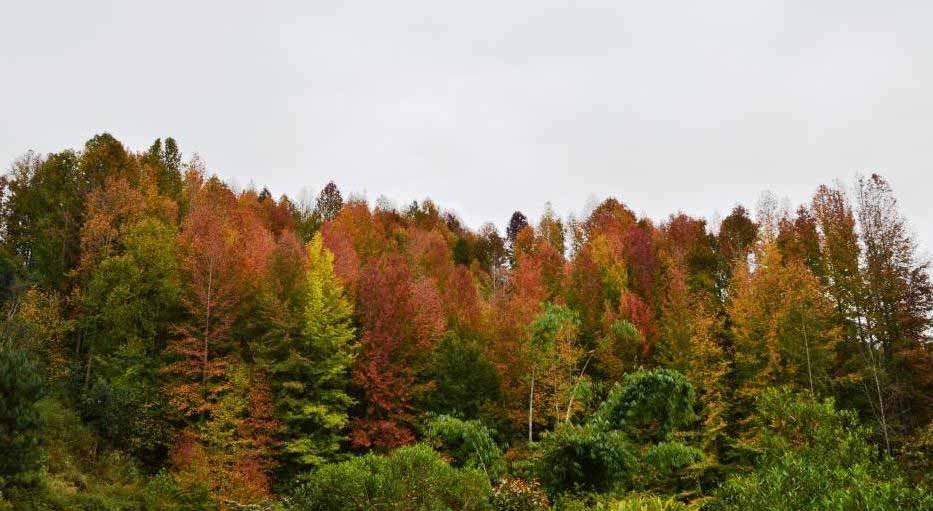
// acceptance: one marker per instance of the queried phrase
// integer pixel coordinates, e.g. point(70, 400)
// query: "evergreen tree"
point(308, 367)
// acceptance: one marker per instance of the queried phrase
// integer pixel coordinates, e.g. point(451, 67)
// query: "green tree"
point(20, 389)
point(466, 383)
point(466, 443)
point(308, 364)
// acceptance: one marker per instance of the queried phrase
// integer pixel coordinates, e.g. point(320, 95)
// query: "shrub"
point(466, 443)
point(650, 404)
point(584, 459)
point(813, 456)
point(519, 495)
point(411, 478)
point(638, 502)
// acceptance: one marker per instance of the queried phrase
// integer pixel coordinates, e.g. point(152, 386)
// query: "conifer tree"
point(308, 366)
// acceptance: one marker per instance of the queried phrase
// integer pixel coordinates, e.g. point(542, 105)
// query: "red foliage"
point(401, 319)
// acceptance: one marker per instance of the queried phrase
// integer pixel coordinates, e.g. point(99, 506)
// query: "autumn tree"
point(401, 318)
point(209, 260)
point(689, 343)
point(782, 328)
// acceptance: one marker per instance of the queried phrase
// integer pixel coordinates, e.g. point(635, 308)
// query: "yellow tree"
point(782, 327)
point(688, 330)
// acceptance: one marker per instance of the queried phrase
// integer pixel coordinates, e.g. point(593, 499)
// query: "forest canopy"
point(170, 342)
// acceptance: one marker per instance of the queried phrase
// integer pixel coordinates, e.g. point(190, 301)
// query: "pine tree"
point(308, 367)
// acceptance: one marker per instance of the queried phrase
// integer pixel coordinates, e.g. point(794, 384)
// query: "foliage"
point(649, 404)
point(412, 478)
point(20, 422)
point(816, 457)
point(640, 502)
point(200, 346)
point(308, 366)
point(465, 382)
point(585, 459)
point(466, 444)
point(513, 494)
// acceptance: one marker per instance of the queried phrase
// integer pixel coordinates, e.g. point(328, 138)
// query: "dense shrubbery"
point(814, 456)
point(413, 478)
point(466, 443)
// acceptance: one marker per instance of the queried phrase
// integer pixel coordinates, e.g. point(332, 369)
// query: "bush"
point(584, 459)
point(519, 495)
point(645, 503)
point(813, 456)
point(410, 478)
point(665, 465)
point(466, 443)
point(649, 405)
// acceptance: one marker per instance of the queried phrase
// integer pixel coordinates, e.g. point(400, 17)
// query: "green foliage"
point(640, 502)
point(81, 475)
point(666, 457)
point(20, 389)
point(411, 478)
point(548, 327)
point(650, 404)
point(131, 296)
point(466, 443)
point(129, 410)
point(308, 364)
point(585, 459)
point(513, 494)
point(816, 457)
point(669, 467)
point(465, 381)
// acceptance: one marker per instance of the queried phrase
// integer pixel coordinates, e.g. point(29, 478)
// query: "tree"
point(899, 300)
point(554, 356)
point(401, 318)
point(20, 389)
point(782, 328)
point(737, 234)
point(689, 332)
point(551, 229)
point(308, 367)
point(43, 215)
point(465, 382)
point(210, 265)
point(517, 223)
point(814, 456)
point(329, 202)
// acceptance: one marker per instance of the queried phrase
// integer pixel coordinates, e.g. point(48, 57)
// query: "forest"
point(172, 342)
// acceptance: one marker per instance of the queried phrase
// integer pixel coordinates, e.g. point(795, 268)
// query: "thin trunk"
point(870, 361)
point(207, 324)
point(806, 344)
point(576, 385)
point(531, 403)
point(87, 370)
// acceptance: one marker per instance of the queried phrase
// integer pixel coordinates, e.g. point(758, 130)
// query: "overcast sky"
point(489, 107)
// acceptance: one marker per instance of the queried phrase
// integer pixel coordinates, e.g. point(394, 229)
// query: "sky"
point(491, 107)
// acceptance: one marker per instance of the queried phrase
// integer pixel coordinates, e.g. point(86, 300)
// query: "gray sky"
point(488, 107)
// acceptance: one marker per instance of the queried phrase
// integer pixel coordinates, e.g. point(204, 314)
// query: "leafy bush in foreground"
point(816, 457)
point(413, 478)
